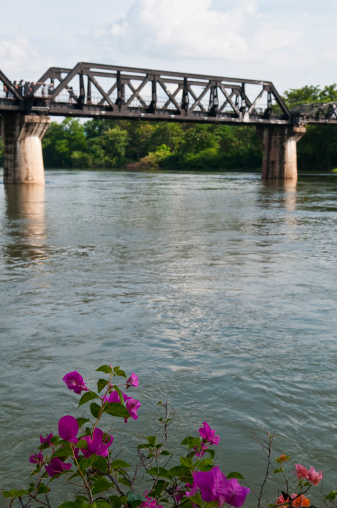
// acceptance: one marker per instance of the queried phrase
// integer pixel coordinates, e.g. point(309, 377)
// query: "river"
point(215, 288)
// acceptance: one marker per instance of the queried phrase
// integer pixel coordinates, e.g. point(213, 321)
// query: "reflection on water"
point(216, 288)
point(26, 223)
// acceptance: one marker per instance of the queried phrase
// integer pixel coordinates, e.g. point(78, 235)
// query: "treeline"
point(104, 143)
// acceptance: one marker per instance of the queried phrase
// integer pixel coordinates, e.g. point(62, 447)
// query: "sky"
point(290, 42)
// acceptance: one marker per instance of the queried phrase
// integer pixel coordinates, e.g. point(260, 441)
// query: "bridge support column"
point(22, 135)
point(280, 151)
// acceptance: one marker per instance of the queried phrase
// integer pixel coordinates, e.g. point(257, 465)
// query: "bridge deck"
point(95, 90)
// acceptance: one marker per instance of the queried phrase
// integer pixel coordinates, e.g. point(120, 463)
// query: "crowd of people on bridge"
point(28, 88)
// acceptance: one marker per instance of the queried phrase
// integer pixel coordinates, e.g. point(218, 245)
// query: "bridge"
point(94, 90)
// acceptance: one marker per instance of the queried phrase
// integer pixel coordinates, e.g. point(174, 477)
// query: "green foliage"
point(116, 143)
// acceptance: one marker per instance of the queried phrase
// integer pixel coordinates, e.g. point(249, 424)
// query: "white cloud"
point(18, 58)
point(188, 29)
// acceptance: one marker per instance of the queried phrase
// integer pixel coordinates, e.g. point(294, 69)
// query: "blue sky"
point(290, 42)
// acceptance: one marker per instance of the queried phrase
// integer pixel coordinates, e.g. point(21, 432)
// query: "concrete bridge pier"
point(280, 151)
point(22, 135)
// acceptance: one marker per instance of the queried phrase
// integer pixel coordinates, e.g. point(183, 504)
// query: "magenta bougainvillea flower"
point(68, 428)
point(191, 489)
point(132, 381)
point(75, 382)
point(56, 467)
point(36, 459)
point(132, 405)
point(150, 503)
point(236, 493)
point(98, 444)
point(200, 450)
point(208, 434)
point(46, 439)
point(312, 475)
point(214, 487)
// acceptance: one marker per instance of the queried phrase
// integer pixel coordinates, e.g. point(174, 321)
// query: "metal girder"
point(126, 92)
point(10, 87)
point(315, 113)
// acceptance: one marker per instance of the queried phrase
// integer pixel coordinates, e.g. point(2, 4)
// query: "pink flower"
point(281, 500)
point(150, 503)
point(98, 444)
point(68, 428)
point(236, 494)
point(56, 467)
point(208, 434)
point(131, 404)
point(46, 439)
point(36, 459)
point(200, 450)
point(214, 487)
point(312, 475)
point(74, 381)
point(193, 489)
point(132, 381)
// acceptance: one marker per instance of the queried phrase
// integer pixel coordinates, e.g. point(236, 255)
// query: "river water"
point(217, 289)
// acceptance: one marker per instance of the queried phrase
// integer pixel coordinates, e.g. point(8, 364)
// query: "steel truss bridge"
point(95, 90)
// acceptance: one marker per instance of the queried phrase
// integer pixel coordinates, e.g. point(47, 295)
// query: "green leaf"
point(95, 409)
point(152, 440)
point(157, 471)
point(187, 462)
point(191, 442)
point(165, 452)
point(101, 383)
point(101, 485)
point(115, 501)
point(279, 470)
point(120, 394)
point(238, 476)
point(331, 496)
point(85, 463)
point(211, 453)
point(64, 451)
point(180, 472)
point(135, 500)
point(120, 373)
point(124, 481)
point(86, 397)
point(101, 463)
point(104, 368)
point(82, 444)
point(204, 464)
point(158, 488)
point(116, 409)
point(102, 504)
point(43, 489)
point(82, 421)
point(44, 446)
point(14, 493)
point(118, 464)
point(196, 499)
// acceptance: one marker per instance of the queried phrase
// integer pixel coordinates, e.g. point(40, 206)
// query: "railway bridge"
point(94, 90)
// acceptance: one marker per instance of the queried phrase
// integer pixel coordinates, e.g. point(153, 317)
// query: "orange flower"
point(283, 458)
point(299, 501)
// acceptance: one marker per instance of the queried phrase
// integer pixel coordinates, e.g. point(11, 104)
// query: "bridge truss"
point(95, 90)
